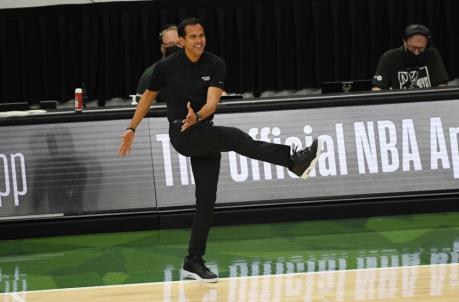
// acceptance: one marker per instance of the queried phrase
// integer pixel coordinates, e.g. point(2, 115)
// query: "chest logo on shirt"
point(418, 78)
point(206, 78)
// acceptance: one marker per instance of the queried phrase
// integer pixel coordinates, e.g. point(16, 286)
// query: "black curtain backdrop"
point(46, 52)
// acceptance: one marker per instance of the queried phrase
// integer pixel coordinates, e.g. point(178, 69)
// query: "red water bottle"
point(78, 100)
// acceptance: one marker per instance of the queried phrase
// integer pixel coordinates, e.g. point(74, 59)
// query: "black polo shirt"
point(182, 81)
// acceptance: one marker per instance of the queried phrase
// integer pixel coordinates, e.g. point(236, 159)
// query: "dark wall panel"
point(46, 52)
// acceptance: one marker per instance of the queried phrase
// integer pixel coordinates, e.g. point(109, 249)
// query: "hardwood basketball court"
point(412, 283)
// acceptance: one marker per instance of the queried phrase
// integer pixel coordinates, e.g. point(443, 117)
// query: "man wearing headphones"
point(416, 64)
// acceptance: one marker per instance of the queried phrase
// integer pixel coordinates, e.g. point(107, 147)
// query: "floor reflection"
point(329, 262)
point(425, 283)
point(438, 282)
point(15, 284)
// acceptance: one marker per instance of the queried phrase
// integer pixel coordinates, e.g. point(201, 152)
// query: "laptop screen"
point(347, 86)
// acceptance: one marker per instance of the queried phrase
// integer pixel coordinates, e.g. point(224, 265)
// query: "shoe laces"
point(203, 263)
point(301, 153)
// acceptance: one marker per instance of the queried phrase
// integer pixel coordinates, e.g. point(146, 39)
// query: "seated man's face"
point(170, 38)
point(416, 44)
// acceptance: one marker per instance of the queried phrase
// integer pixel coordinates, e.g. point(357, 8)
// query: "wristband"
point(130, 128)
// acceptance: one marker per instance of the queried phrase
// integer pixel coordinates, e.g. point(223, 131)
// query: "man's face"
point(194, 40)
point(170, 38)
point(416, 44)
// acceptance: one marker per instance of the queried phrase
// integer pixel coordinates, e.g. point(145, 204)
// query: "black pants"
point(203, 143)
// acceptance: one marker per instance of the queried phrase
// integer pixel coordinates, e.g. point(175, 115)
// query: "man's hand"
point(126, 143)
point(143, 107)
point(191, 118)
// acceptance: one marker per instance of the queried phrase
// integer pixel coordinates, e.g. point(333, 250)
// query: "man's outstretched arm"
point(142, 109)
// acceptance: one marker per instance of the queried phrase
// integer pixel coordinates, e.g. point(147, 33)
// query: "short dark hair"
point(186, 22)
point(165, 29)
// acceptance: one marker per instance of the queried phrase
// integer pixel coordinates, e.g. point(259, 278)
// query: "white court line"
point(227, 278)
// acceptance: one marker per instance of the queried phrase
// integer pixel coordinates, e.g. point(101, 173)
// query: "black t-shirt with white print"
point(394, 72)
point(182, 81)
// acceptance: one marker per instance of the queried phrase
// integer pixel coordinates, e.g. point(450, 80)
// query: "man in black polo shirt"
point(191, 81)
point(416, 64)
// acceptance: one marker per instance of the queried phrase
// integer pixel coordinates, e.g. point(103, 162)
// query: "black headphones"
point(418, 29)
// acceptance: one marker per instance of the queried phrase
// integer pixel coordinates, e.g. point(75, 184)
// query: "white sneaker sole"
point(314, 161)
point(196, 277)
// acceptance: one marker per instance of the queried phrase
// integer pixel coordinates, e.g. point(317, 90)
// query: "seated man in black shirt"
point(192, 81)
point(170, 42)
point(416, 64)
